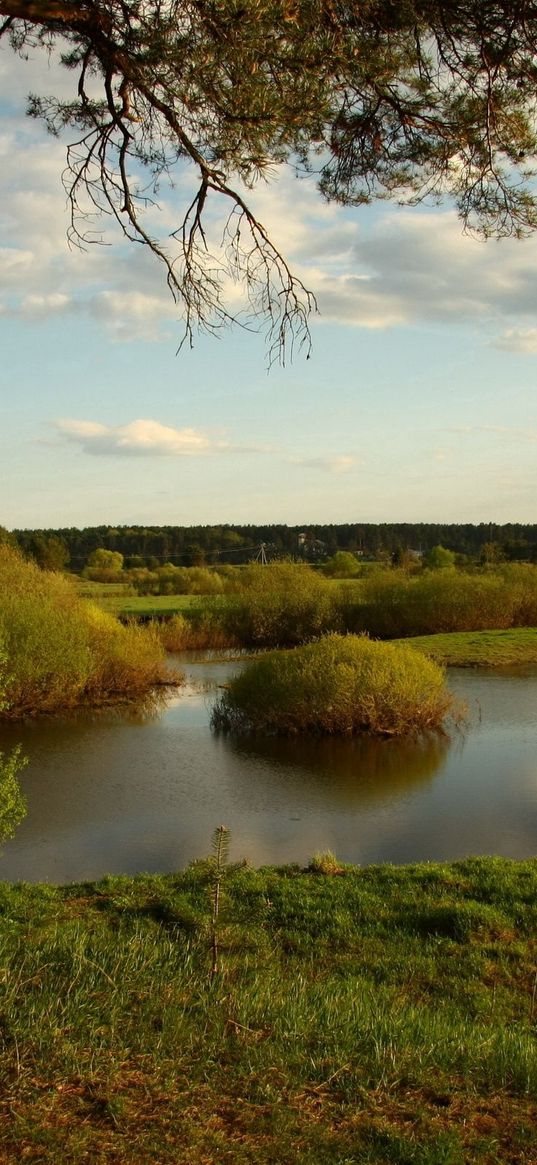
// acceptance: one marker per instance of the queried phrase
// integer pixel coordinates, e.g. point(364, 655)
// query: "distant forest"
point(199, 545)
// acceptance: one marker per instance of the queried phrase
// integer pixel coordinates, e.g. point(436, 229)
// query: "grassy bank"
point(146, 606)
point(479, 648)
point(376, 1016)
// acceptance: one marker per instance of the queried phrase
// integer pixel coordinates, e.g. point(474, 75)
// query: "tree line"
point(151, 546)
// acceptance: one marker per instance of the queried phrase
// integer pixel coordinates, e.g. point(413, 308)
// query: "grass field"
point(480, 648)
point(147, 605)
point(375, 1016)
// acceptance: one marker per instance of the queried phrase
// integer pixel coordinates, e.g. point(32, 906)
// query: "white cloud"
point(338, 463)
point(145, 437)
point(45, 305)
point(140, 438)
point(518, 340)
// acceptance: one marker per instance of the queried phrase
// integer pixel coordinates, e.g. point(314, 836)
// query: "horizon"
point(260, 525)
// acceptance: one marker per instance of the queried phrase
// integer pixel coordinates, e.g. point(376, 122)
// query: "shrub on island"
point(338, 684)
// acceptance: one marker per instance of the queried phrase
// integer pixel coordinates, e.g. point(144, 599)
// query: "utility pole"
point(261, 556)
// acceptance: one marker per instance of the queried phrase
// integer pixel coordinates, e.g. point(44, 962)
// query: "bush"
point(201, 630)
point(392, 604)
point(125, 658)
point(340, 684)
point(343, 564)
point(12, 801)
point(280, 605)
point(61, 650)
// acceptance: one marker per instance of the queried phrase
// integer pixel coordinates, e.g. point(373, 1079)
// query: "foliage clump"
point(281, 604)
point(339, 684)
point(62, 651)
point(12, 801)
point(392, 604)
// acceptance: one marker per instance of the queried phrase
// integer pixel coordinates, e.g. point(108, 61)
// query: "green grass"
point(479, 648)
point(147, 605)
point(364, 1016)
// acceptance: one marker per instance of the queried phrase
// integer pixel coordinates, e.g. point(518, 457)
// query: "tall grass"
point(62, 651)
point(339, 684)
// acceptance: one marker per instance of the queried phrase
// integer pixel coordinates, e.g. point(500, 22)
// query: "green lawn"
point(148, 604)
point(375, 1016)
point(480, 648)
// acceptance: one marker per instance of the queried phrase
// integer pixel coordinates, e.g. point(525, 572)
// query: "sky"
point(417, 404)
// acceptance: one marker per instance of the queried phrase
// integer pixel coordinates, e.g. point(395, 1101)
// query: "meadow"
point(514, 647)
point(355, 1016)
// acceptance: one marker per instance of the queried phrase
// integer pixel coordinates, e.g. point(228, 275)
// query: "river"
point(122, 792)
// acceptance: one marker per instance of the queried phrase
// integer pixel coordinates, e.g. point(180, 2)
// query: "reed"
point(200, 630)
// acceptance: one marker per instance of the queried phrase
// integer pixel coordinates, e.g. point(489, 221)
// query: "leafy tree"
point(378, 99)
point(110, 560)
point(438, 558)
point(49, 551)
point(491, 553)
point(343, 564)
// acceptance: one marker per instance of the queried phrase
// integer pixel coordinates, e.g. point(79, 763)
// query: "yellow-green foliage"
point(202, 631)
point(62, 650)
point(391, 603)
point(126, 659)
point(339, 684)
point(283, 603)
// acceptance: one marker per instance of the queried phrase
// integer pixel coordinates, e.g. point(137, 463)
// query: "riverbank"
point(370, 1015)
point(516, 646)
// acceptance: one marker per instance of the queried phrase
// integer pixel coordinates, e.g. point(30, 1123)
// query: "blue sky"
point(418, 403)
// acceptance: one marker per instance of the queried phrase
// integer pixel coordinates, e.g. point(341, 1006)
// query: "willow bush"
point(197, 630)
point(338, 684)
point(280, 605)
point(62, 651)
point(392, 604)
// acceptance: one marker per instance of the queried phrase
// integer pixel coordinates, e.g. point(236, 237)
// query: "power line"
point(260, 548)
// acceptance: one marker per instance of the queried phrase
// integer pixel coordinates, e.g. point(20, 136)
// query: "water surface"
point(123, 792)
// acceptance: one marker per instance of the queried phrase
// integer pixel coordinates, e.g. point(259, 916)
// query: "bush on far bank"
point(392, 604)
point(280, 604)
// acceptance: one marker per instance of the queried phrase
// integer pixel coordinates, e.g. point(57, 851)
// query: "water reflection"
point(353, 771)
